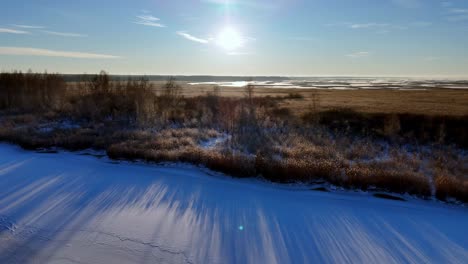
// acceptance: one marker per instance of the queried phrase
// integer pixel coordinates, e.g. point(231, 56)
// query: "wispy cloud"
point(49, 32)
point(458, 14)
point(25, 51)
point(421, 24)
point(457, 18)
point(149, 20)
point(13, 31)
point(64, 34)
point(368, 25)
point(458, 11)
point(191, 37)
point(27, 26)
point(380, 28)
point(359, 54)
point(149, 23)
point(455, 14)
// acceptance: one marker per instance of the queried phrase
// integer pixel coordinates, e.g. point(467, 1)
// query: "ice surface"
point(347, 83)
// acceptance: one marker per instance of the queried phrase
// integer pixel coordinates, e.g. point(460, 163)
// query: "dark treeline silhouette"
point(184, 78)
point(31, 91)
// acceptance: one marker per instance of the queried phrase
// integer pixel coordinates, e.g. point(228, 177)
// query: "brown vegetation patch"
point(395, 151)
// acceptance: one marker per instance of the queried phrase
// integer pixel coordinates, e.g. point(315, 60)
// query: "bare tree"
point(212, 102)
point(100, 83)
point(170, 99)
point(172, 91)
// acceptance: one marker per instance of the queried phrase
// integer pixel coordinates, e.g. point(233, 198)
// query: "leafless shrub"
point(294, 95)
point(451, 187)
point(363, 176)
point(213, 104)
point(391, 125)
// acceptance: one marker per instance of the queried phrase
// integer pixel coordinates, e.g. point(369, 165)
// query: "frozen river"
point(70, 208)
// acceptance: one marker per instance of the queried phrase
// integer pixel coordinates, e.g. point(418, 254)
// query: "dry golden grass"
point(430, 102)
point(451, 187)
point(452, 102)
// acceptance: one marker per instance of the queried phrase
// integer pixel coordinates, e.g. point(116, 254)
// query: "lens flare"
point(229, 39)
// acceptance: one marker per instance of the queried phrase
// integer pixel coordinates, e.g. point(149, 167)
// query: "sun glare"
point(229, 39)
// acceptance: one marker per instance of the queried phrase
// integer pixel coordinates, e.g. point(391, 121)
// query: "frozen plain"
point(71, 208)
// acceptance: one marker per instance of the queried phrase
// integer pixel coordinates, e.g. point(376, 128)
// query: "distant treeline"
point(183, 78)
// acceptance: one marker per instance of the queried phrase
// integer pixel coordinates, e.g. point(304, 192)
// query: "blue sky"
point(237, 37)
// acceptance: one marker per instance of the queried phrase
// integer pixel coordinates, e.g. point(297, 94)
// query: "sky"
point(421, 38)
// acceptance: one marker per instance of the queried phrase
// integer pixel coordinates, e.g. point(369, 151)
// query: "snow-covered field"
point(70, 208)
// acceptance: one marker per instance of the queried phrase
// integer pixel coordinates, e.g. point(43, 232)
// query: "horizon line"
point(461, 77)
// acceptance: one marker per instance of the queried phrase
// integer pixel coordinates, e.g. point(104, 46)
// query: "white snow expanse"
point(70, 208)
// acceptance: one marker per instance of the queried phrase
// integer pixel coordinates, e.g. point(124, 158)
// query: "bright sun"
point(229, 39)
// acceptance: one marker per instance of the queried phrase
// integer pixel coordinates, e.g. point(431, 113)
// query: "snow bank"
point(70, 208)
point(215, 142)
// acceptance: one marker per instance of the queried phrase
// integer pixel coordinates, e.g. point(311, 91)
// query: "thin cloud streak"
point(25, 51)
point(457, 18)
point(191, 38)
point(455, 14)
point(421, 24)
point(149, 20)
point(359, 54)
point(150, 24)
point(459, 11)
point(28, 26)
point(368, 25)
point(380, 28)
point(13, 31)
point(64, 34)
